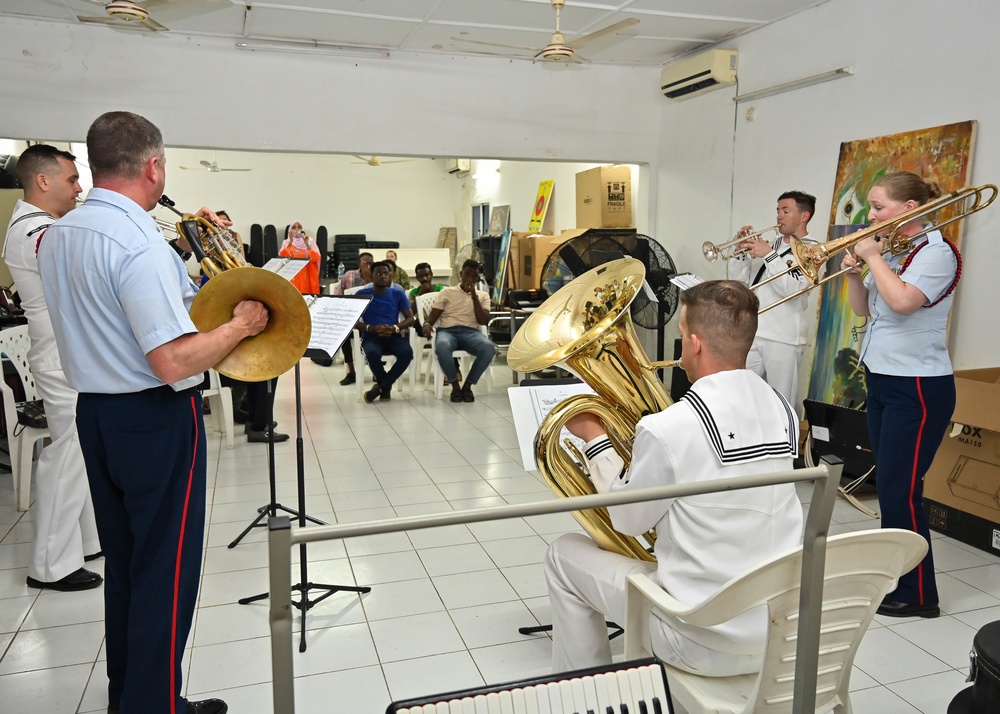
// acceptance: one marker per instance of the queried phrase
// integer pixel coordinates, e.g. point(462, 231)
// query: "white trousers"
point(587, 586)
point(65, 529)
point(777, 364)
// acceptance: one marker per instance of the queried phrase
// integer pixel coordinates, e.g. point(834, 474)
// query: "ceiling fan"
point(212, 166)
point(558, 49)
point(135, 14)
point(376, 161)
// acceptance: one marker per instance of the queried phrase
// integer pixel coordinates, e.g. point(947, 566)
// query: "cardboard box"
point(514, 258)
point(533, 251)
point(962, 487)
point(604, 197)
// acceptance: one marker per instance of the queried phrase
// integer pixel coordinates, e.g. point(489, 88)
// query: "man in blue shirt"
point(119, 298)
point(380, 331)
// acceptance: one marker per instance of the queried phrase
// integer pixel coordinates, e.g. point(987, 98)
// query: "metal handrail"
point(282, 535)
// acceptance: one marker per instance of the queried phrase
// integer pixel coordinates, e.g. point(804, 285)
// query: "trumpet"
point(727, 251)
point(812, 257)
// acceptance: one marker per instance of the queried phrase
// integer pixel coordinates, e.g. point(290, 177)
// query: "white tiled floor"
point(445, 603)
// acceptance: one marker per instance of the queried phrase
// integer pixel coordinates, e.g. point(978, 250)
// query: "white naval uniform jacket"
point(729, 424)
point(787, 322)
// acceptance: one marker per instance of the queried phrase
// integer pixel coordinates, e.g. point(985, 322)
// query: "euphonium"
point(586, 329)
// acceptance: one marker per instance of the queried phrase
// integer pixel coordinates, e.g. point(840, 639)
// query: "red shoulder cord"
point(958, 268)
point(39, 241)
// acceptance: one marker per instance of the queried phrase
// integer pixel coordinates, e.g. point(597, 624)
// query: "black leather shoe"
point(93, 556)
point(372, 394)
point(207, 706)
point(248, 427)
point(77, 580)
point(240, 416)
point(894, 608)
point(260, 437)
point(351, 378)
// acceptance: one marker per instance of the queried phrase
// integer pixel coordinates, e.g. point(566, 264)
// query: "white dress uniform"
point(65, 529)
point(781, 332)
point(729, 424)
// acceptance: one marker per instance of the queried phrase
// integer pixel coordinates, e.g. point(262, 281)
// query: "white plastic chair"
point(360, 362)
point(220, 400)
point(14, 343)
point(465, 359)
point(861, 568)
point(423, 348)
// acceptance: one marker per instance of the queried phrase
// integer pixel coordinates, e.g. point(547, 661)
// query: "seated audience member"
point(425, 284)
point(298, 244)
point(353, 279)
point(399, 275)
point(380, 331)
point(457, 313)
point(731, 423)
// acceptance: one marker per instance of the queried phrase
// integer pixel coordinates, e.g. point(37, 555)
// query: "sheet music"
point(333, 318)
point(530, 405)
point(287, 268)
point(686, 280)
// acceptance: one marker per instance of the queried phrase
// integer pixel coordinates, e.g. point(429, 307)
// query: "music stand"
point(304, 585)
point(272, 507)
point(616, 629)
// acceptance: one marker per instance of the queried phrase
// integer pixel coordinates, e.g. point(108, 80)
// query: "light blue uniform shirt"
point(913, 345)
point(115, 291)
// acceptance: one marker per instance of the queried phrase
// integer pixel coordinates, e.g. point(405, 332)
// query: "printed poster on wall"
point(541, 206)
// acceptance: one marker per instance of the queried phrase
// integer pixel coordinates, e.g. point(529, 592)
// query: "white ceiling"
point(666, 29)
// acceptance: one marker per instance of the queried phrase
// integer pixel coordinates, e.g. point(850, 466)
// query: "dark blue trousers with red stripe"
point(145, 456)
point(907, 420)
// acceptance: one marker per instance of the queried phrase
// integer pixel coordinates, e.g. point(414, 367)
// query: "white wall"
point(205, 93)
point(919, 63)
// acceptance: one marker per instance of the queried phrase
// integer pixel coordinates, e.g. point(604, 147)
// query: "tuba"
point(231, 281)
point(586, 328)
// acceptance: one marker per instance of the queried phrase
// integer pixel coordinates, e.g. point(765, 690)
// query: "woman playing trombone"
point(911, 387)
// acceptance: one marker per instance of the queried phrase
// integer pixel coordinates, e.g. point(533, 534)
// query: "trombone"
point(727, 251)
point(812, 257)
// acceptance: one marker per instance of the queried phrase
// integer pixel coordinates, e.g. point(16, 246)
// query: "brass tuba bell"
point(586, 328)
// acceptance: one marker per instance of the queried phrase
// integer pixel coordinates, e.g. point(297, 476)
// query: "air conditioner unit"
point(699, 74)
point(457, 166)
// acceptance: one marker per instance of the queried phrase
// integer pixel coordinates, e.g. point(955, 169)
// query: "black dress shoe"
point(248, 427)
point(373, 393)
point(93, 556)
point(894, 608)
point(240, 416)
point(207, 706)
point(261, 437)
point(77, 580)
point(351, 378)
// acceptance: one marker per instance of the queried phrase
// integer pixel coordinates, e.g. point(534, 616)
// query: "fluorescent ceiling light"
point(796, 84)
point(316, 48)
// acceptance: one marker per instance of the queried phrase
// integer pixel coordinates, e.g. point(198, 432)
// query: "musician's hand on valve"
point(586, 425)
point(251, 315)
point(757, 248)
point(208, 214)
point(744, 231)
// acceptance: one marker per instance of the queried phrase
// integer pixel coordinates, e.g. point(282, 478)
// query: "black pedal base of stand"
point(616, 629)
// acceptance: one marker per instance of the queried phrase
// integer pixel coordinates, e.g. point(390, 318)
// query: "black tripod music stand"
point(304, 585)
point(272, 507)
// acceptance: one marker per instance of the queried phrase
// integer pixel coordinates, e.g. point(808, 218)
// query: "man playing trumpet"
point(781, 333)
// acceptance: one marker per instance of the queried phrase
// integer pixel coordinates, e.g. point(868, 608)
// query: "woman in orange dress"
point(298, 244)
